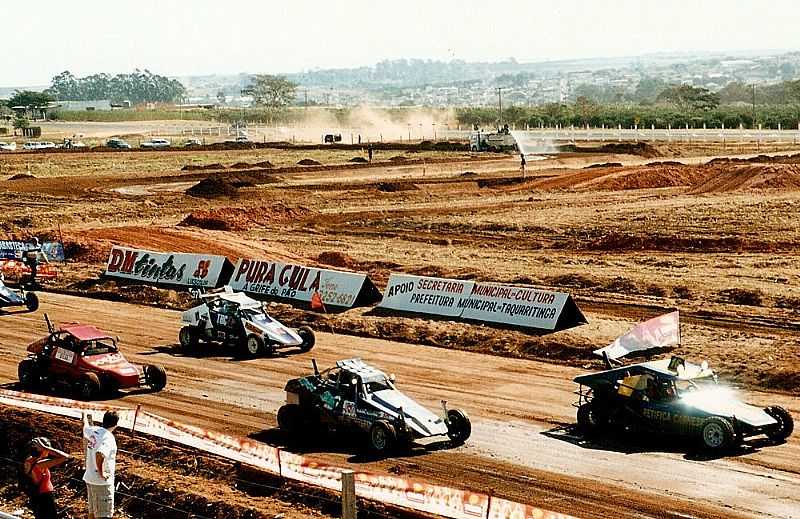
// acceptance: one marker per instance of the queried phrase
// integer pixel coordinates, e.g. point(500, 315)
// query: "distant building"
point(82, 106)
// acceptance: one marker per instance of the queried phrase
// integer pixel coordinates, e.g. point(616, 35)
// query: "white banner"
point(659, 332)
point(276, 279)
point(164, 268)
point(426, 295)
point(517, 306)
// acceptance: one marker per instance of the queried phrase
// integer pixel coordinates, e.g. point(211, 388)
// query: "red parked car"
point(85, 360)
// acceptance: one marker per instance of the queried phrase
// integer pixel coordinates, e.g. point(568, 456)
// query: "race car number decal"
point(65, 355)
point(349, 408)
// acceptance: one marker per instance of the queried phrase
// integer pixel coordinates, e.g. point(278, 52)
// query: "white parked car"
point(8, 146)
point(37, 145)
point(155, 143)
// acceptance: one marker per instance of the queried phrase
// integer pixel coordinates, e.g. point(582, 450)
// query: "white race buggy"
point(235, 319)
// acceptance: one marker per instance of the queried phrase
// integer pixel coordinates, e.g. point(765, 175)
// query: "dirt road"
point(520, 448)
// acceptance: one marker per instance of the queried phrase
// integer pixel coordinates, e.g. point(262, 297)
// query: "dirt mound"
point(469, 174)
point(360, 160)
point(337, 259)
point(265, 164)
point(202, 167)
point(393, 187)
point(86, 251)
point(641, 149)
point(241, 165)
point(665, 163)
point(308, 162)
point(21, 176)
point(649, 178)
point(398, 158)
point(605, 165)
point(212, 187)
point(241, 219)
point(726, 178)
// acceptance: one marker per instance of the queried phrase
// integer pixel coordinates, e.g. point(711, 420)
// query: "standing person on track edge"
point(369, 152)
point(101, 458)
point(522, 164)
point(37, 465)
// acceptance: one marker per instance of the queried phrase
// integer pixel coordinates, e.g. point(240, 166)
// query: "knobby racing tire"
point(591, 419)
point(459, 427)
point(382, 437)
point(188, 337)
point(309, 339)
point(31, 301)
point(155, 376)
point(785, 424)
point(88, 386)
point(717, 434)
point(290, 419)
point(28, 373)
point(252, 346)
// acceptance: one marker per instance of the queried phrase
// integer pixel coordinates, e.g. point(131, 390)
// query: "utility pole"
point(500, 104)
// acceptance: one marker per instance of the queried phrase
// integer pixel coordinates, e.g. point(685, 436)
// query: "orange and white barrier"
point(423, 497)
point(15, 269)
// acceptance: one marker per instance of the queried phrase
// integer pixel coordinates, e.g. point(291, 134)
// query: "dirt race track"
point(521, 447)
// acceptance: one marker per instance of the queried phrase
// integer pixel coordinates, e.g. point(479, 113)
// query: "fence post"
point(348, 495)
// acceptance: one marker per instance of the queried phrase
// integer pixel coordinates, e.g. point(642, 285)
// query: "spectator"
point(522, 164)
point(32, 256)
point(36, 467)
point(101, 458)
point(369, 152)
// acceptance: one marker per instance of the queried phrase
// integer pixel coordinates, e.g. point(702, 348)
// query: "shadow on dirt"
point(213, 351)
point(344, 442)
point(57, 392)
point(628, 442)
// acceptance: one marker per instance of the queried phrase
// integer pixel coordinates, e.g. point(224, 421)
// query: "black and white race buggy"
point(353, 396)
point(233, 318)
point(24, 298)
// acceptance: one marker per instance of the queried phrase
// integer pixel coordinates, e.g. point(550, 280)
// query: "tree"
point(648, 89)
point(138, 87)
point(272, 92)
point(687, 97)
point(20, 123)
point(586, 109)
point(30, 99)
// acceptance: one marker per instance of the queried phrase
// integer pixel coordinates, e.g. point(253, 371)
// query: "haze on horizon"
point(212, 37)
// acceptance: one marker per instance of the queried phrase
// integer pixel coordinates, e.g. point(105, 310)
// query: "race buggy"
point(85, 360)
point(674, 397)
point(355, 397)
point(9, 298)
point(235, 319)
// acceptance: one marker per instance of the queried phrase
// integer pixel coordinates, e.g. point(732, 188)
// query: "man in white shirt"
point(101, 459)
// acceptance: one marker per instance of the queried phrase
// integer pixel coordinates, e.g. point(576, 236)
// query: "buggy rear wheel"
point(188, 337)
point(785, 425)
point(88, 386)
point(155, 376)
point(717, 434)
point(28, 373)
point(290, 419)
point(382, 436)
point(459, 427)
point(31, 301)
point(309, 339)
point(591, 419)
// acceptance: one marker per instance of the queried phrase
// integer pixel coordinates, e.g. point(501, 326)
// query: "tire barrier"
point(413, 495)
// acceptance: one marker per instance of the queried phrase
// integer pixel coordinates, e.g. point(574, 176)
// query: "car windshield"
point(99, 347)
point(257, 316)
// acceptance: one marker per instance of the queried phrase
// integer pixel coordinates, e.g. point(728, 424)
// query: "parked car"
point(192, 142)
point(155, 143)
point(86, 361)
point(39, 145)
point(356, 397)
point(8, 146)
point(117, 144)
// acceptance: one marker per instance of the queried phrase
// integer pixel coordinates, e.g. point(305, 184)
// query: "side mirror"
point(391, 377)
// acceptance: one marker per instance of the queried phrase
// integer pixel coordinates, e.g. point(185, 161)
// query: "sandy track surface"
point(520, 446)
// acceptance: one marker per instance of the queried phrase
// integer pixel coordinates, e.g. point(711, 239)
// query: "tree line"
point(137, 87)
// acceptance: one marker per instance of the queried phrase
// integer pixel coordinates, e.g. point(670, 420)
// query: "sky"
point(197, 37)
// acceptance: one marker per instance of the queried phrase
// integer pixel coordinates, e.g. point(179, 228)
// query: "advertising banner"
point(426, 295)
point(486, 302)
point(287, 281)
point(165, 268)
point(503, 509)
point(14, 249)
